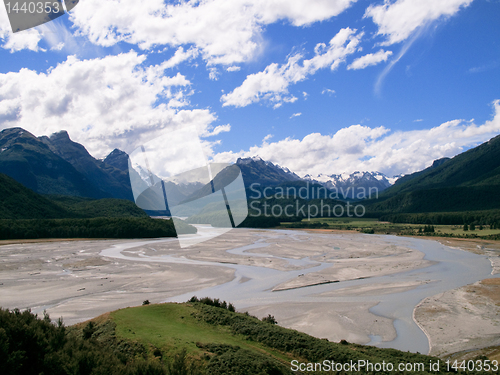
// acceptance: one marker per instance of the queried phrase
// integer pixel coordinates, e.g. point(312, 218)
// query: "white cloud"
point(328, 91)
point(105, 103)
point(54, 33)
point(370, 59)
point(209, 132)
point(267, 137)
point(226, 32)
point(14, 42)
point(296, 115)
point(213, 74)
point(233, 68)
point(272, 83)
point(180, 56)
point(389, 152)
point(398, 20)
point(485, 67)
point(406, 46)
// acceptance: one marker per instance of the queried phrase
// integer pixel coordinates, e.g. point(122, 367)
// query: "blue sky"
point(318, 86)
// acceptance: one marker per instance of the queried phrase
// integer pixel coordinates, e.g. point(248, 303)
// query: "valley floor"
point(331, 286)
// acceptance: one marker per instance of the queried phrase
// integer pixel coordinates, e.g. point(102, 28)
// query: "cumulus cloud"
point(15, 42)
point(226, 32)
point(370, 59)
point(398, 20)
point(363, 148)
point(115, 101)
point(272, 83)
point(296, 115)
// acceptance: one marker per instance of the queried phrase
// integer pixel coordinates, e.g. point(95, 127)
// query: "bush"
point(213, 302)
point(269, 319)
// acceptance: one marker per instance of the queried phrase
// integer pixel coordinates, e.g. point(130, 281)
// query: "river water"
point(252, 286)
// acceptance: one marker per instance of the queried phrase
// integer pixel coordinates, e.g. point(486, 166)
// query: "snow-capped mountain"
point(255, 169)
point(356, 180)
point(260, 173)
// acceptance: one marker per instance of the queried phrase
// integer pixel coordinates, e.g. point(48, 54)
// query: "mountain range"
point(265, 173)
point(56, 165)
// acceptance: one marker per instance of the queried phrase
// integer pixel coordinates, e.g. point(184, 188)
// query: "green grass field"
point(171, 326)
point(358, 224)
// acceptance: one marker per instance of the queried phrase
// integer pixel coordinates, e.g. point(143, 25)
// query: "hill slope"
point(479, 166)
point(221, 342)
point(19, 202)
point(469, 181)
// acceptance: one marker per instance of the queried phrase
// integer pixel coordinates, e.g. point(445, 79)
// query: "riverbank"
point(381, 279)
point(466, 319)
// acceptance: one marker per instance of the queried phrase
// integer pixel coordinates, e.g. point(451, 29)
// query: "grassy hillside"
point(217, 341)
point(181, 339)
point(19, 202)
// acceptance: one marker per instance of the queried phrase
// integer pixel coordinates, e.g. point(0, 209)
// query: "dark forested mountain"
point(408, 177)
point(31, 162)
point(115, 182)
point(19, 202)
point(265, 173)
point(469, 181)
point(57, 165)
point(118, 159)
point(479, 166)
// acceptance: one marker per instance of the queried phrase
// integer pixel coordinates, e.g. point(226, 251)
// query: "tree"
point(466, 227)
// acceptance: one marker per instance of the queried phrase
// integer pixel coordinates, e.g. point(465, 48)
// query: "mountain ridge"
point(468, 181)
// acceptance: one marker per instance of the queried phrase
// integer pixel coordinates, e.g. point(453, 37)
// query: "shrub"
point(269, 319)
